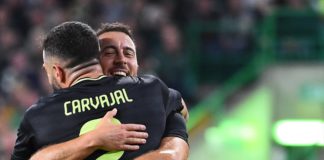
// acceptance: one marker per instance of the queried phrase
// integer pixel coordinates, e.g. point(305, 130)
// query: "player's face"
point(47, 65)
point(51, 79)
point(118, 54)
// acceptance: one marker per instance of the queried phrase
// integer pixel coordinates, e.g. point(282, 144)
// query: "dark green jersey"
point(68, 113)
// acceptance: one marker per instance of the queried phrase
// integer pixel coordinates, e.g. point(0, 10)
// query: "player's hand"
point(110, 137)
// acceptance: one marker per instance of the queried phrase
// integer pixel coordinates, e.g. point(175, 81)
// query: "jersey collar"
point(87, 79)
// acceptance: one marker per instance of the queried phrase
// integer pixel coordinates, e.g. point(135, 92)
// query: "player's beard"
point(55, 85)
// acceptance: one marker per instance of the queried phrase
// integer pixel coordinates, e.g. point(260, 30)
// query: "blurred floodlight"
point(299, 132)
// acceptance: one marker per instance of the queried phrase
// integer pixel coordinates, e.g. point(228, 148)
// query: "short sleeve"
point(174, 101)
point(171, 97)
point(176, 126)
point(24, 143)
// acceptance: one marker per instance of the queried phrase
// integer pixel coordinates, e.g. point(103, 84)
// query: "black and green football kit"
point(69, 113)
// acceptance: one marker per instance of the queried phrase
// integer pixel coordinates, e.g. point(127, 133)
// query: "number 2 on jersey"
point(91, 125)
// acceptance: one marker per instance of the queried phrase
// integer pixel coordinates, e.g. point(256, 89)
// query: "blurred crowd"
point(166, 39)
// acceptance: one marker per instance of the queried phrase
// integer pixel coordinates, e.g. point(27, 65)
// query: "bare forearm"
point(171, 148)
point(75, 149)
point(106, 136)
point(157, 155)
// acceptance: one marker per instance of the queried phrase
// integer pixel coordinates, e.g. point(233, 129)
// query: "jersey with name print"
point(69, 113)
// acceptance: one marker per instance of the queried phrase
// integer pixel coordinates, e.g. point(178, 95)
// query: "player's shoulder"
point(41, 104)
point(155, 81)
point(35, 107)
point(30, 113)
point(148, 78)
point(173, 91)
point(142, 79)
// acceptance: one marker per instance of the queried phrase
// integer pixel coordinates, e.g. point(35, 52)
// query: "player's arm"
point(77, 148)
point(23, 148)
point(172, 148)
point(174, 100)
point(107, 136)
point(184, 111)
point(176, 103)
point(174, 145)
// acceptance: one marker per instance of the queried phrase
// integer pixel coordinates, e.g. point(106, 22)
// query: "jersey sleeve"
point(174, 101)
point(24, 143)
point(171, 97)
point(176, 126)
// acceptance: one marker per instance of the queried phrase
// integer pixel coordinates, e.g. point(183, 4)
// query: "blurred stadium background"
point(251, 71)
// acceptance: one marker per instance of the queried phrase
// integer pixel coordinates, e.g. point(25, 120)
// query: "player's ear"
point(59, 74)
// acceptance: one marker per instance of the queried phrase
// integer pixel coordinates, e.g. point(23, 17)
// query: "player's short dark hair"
point(73, 41)
point(115, 27)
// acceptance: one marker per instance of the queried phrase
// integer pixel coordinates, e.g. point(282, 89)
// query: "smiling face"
point(117, 54)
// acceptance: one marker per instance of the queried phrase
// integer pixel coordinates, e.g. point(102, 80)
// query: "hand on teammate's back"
point(111, 137)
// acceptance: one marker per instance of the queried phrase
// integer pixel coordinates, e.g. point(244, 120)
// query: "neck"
point(91, 69)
